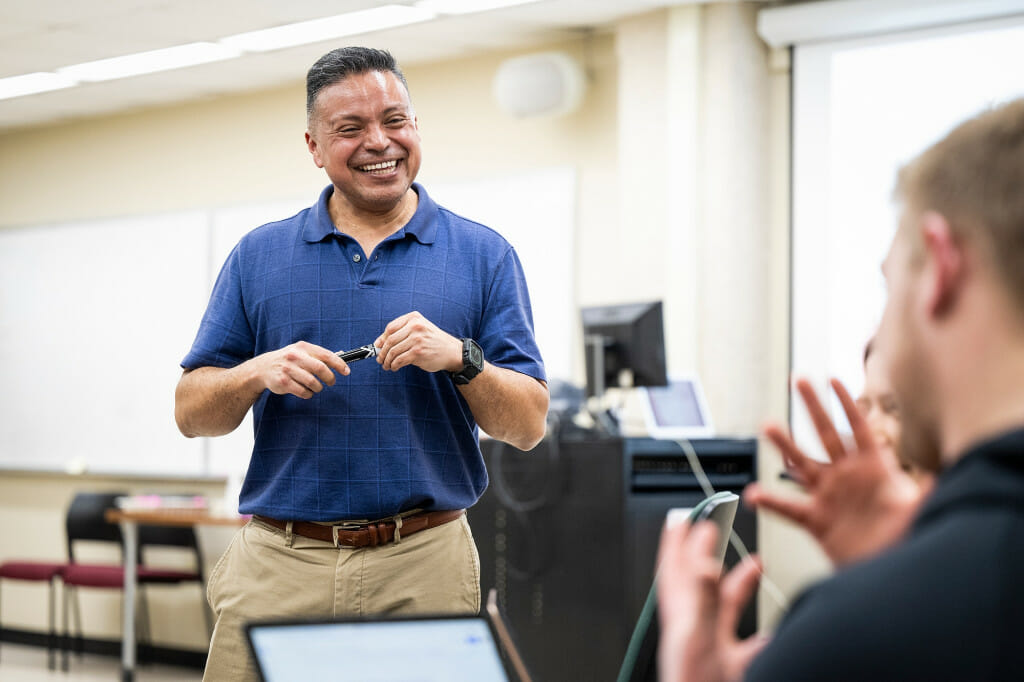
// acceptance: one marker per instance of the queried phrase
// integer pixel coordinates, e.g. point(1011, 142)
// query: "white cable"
point(771, 588)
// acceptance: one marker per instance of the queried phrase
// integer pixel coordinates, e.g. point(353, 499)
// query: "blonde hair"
point(974, 177)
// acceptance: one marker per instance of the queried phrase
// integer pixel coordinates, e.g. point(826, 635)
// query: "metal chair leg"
point(80, 637)
point(51, 639)
point(65, 648)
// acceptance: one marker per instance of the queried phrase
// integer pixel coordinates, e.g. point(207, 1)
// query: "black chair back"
point(171, 536)
point(86, 520)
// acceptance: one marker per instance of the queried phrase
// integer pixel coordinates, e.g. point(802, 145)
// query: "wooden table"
point(129, 519)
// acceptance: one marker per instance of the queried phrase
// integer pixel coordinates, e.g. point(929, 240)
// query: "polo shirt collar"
point(422, 226)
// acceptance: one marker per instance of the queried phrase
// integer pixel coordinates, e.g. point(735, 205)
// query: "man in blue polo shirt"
point(360, 473)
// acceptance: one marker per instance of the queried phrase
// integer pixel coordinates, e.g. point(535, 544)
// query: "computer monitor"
point(622, 340)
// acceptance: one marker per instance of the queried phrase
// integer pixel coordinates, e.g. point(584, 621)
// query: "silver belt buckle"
point(346, 525)
point(351, 525)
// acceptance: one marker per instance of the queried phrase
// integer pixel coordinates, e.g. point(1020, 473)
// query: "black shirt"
point(945, 604)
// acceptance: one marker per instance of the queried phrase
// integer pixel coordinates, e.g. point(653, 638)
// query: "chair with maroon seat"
point(86, 522)
point(38, 571)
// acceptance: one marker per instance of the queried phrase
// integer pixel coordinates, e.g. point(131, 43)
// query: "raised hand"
point(858, 504)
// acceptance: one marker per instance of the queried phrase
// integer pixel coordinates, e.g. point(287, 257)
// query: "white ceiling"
point(42, 35)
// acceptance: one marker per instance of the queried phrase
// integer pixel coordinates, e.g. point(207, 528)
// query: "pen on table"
point(361, 353)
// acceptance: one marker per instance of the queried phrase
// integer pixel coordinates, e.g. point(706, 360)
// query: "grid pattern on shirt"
point(376, 442)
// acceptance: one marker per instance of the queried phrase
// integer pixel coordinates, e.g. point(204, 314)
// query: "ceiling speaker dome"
point(543, 84)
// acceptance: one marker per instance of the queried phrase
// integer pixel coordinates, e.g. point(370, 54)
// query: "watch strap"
point(472, 362)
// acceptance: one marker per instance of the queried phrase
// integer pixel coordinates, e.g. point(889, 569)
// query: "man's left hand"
point(856, 506)
point(414, 340)
point(699, 610)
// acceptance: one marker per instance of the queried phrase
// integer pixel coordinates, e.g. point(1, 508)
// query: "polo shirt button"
point(356, 258)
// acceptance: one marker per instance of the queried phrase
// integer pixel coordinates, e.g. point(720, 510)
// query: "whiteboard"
point(93, 320)
point(535, 212)
point(96, 316)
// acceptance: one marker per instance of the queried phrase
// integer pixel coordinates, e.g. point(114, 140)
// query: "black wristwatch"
point(472, 362)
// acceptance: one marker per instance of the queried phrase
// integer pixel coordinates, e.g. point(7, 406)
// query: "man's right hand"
point(857, 505)
point(300, 369)
point(212, 401)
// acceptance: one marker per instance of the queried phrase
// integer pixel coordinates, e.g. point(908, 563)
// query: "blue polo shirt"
point(377, 442)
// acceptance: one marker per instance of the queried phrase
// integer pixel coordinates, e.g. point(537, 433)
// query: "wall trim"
point(841, 19)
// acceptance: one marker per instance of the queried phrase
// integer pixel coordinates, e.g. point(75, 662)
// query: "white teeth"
point(383, 165)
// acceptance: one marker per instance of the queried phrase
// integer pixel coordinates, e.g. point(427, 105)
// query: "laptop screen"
point(677, 410)
point(441, 649)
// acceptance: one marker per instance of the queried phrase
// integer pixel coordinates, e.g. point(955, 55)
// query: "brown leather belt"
point(368, 534)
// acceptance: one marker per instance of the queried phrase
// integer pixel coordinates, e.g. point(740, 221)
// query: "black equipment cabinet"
point(568, 535)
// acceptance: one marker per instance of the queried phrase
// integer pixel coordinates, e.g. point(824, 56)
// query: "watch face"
point(472, 362)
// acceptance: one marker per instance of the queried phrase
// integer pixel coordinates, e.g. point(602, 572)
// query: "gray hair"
point(343, 62)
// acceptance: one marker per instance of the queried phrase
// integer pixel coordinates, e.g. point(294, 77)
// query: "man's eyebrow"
point(343, 118)
point(353, 117)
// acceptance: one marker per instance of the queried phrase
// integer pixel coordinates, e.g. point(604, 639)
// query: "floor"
point(20, 663)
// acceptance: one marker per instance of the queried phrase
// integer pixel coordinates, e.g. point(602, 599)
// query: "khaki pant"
point(263, 577)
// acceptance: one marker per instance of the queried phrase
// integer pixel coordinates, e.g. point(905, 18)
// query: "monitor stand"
point(605, 420)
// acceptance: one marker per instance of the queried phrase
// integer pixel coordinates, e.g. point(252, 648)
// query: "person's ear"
point(944, 263)
point(314, 150)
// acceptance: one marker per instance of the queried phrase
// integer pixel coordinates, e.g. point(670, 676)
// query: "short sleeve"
point(225, 337)
point(506, 330)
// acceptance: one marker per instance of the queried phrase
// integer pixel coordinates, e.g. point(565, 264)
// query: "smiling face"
point(363, 133)
point(878, 404)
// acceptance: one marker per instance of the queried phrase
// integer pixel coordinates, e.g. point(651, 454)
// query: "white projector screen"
point(861, 109)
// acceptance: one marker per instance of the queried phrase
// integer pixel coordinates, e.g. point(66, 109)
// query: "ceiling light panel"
point(467, 6)
point(149, 62)
point(328, 28)
point(32, 83)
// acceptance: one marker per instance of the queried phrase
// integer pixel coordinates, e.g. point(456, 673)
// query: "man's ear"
point(314, 150)
point(944, 263)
